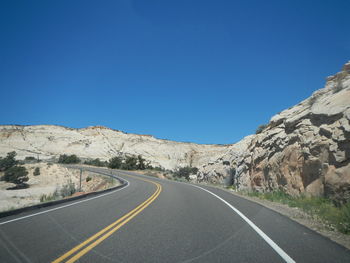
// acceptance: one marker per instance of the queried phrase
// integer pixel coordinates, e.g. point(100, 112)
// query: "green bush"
point(156, 168)
point(141, 165)
point(17, 175)
point(184, 172)
point(96, 162)
point(36, 171)
point(88, 179)
point(68, 159)
point(8, 162)
point(50, 197)
point(130, 163)
point(68, 189)
point(115, 162)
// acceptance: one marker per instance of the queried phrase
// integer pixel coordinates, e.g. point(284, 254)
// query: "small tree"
point(130, 163)
point(141, 163)
point(96, 162)
point(17, 175)
point(185, 172)
point(68, 159)
point(36, 171)
point(8, 162)
point(115, 162)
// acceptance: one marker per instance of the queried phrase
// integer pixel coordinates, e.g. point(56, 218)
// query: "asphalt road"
point(152, 220)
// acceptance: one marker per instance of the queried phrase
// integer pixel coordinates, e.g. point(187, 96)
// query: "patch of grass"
point(231, 187)
point(68, 189)
point(49, 197)
point(317, 207)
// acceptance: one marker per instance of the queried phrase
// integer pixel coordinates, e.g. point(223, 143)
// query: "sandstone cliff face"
point(304, 149)
point(49, 141)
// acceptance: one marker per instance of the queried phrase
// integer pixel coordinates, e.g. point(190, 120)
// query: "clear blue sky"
point(199, 71)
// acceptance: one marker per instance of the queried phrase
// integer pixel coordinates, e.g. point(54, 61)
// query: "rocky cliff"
point(304, 149)
point(49, 141)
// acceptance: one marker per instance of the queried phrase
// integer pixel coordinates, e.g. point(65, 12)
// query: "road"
point(153, 220)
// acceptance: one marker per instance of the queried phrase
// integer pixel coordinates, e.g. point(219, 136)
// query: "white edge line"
point(268, 240)
point(64, 206)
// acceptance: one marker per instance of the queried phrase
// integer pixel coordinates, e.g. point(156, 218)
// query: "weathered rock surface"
point(49, 141)
point(304, 149)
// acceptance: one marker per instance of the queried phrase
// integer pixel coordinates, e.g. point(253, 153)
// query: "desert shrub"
point(226, 163)
point(260, 128)
point(8, 162)
point(88, 179)
point(30, 158)
point(68, 159)
point(96, 162)
point(50, 197)
point(141, 165)
point(185, 172)
point(317, 207)
point(36, 171)
point(68, 189)
point(130, 163)
point(156, 168)
point(115, 162)
point(17, 175)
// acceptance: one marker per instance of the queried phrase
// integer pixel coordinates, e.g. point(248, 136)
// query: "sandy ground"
point(52, 177)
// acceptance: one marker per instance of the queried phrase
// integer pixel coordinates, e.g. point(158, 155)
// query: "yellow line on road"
point(102, 235)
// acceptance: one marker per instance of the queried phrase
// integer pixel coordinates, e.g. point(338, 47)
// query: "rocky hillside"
point(304, 149)
point(49, 141)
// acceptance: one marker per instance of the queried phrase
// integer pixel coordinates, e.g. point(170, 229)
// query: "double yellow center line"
point(80, 250)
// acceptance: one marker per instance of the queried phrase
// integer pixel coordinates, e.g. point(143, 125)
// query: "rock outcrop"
point(49, 141)
point(304, 149)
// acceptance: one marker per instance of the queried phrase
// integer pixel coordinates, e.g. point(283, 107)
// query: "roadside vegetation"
point(132, 162)
point(13, 172)
point(36, 171)
point(96, 162)
point(185, 172)
point(68, 159)
point(65, 191)
point(334, 217)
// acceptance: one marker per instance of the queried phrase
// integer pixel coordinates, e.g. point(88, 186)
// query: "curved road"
point(152, 220)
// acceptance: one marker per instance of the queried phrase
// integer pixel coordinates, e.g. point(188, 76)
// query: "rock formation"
point(50, 141)
point(304, 149)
